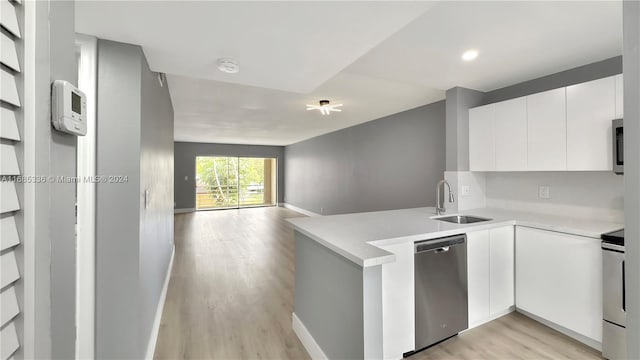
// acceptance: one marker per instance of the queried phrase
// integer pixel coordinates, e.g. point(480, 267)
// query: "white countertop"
point(355, 236)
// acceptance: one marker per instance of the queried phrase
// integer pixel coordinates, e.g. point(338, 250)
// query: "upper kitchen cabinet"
point(619, 97)
point(482, 151)
point(547, 131)
point(510, 129)
point(591, 107)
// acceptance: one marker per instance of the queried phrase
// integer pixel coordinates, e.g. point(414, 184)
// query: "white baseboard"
point(300, 210)
point(151, 347)
point(182, 211)
point(314, 350)
point(559, 328)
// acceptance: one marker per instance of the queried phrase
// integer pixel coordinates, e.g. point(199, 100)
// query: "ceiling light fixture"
point(229, 66)
point(470, 55)
point(325, 107)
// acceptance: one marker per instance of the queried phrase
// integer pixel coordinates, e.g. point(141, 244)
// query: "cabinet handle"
point(442, 249)
point(624, 292)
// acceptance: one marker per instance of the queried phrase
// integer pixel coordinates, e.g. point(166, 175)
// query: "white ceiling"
point(378, 58)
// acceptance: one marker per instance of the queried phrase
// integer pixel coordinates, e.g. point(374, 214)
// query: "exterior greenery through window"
point(230, 182)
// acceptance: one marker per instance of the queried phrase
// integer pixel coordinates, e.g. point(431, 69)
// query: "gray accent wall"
point(593, 71)
point(330, 301)
point(133, 242)
point(390, 163)
point(631, 33)
point(459, 100)
point(185, 166)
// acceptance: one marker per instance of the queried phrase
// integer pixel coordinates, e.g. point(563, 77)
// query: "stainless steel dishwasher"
point(440, 289)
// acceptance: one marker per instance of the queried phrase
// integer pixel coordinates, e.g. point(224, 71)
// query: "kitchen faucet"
point(440, 209)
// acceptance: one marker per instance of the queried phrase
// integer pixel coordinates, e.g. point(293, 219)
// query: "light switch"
point(186, 178)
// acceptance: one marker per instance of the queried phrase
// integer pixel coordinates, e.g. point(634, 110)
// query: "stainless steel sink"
point(461, 219)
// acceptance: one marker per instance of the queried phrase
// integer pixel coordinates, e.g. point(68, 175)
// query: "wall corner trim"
point(314, 350)
point(300, 210)
point(155, 330)
point(182, 211)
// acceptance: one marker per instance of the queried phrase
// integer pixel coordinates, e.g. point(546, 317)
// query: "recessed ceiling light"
point(470, 55)
point(227, 65)
point(325, 107)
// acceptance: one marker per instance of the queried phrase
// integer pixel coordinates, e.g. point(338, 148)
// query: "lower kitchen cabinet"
point(490, 274)
point(559, 279)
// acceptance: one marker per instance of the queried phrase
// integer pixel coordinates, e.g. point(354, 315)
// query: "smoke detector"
point(229, 66)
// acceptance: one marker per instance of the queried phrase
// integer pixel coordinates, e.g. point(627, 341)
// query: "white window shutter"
point(10, 164)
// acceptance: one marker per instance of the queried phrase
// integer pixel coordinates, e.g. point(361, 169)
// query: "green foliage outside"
point(218, 179)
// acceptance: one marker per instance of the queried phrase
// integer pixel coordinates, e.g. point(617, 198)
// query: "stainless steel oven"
point(618, 146)
point(614, 345)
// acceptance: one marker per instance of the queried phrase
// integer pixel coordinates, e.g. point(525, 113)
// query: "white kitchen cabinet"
point(478, 276)
point(482, 152)
point(619, 97)
point(559, 279)
point(398, 309)
point(591, 107)
point(547, 131)
point(510, 136)
point(501, 271)
point(490, 274)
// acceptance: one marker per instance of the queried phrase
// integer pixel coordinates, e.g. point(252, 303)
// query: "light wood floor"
point(231, 297)
point(230, 294)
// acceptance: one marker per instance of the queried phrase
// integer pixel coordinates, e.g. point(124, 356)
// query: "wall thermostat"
point(68, 108)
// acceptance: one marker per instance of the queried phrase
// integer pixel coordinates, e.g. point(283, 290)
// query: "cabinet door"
point(478, 276)
point(482, 154)
point(547, 131)
point(619, 97)
point(510, 124)
point(559, 278)
point(501, 270)
point(591, 107)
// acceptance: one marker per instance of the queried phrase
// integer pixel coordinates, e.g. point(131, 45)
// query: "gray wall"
point(156, 177)
point(593, 71)
point(185, 166)
point(389, 163)
point(329, 300)
point(133, 244)
point(459, 101)
point(632, 171)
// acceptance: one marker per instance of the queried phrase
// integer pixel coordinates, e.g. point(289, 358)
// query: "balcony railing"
point(229, 196)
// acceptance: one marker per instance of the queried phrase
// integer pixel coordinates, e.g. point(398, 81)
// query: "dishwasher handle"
point(439, 245)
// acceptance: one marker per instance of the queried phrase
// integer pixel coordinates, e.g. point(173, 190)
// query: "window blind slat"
point(9, 268)
point(8, 18)
point(8, 125)
point(8, 305)
point(8, 197)
point(8, 88)
point(8, 341)
point(8, 56)
point(8, 233)
point(8, 160)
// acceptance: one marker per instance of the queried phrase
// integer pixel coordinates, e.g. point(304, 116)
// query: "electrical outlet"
point(544, 192)
point(465, 190)
point(321, 211)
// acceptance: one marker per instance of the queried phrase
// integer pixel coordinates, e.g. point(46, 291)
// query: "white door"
point(501, 270)
point(478, 276)
point(547, 131)
point(510, 125)
point(591, 107)
point(559, 278)
point(481, 138)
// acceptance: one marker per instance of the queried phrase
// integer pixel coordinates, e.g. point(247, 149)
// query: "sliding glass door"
point(224, 182)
